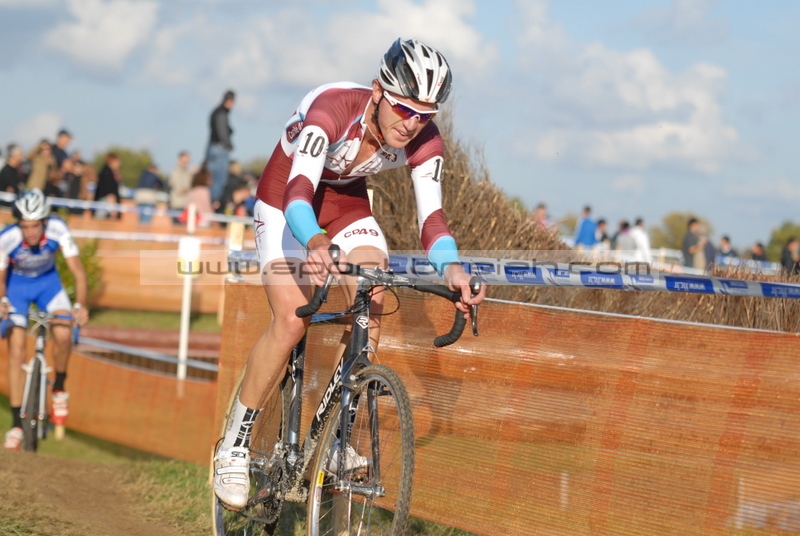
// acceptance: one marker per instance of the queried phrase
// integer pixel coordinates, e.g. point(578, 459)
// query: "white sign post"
point(188, 262)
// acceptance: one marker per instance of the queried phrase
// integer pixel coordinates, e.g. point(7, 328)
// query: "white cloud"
point(104, 33)
point(286, 47)
point(779, 189)
point(632, 184)
point(684, 21)
point(621, 110)
point(43, 125)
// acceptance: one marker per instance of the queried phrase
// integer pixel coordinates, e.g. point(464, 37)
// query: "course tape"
point(580, 275)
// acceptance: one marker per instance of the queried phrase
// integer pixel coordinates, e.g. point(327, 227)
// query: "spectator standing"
point(624, 242)
point(541, 220)
point(758, 252)
point(107, 190)
point(642, 242)
point(42, 161)
point(692, 243)
point(790, 256)
point(59, 148)
point(585, 230)
point(220, 145)
point(234, 181)
point(709, 253)
point(75, 183)
point(725, 249)
point(180, 180)
point(601, 234)
point(11, 174)
point(147, 190)
point(200, 195)
point(52, 187)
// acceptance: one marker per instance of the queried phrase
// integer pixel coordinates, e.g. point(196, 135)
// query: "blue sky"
point(639, 108)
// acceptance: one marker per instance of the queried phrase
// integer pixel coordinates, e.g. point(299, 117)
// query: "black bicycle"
point(34, 410)
point(355, 467)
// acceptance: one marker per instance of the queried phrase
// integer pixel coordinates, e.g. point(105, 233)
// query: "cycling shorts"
point(274, 240)
point(46, 291)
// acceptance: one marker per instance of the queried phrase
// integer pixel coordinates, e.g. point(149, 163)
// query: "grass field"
point(152, 320)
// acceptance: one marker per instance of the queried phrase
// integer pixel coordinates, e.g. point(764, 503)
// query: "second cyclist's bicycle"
point(354, 469)
point(34, 411)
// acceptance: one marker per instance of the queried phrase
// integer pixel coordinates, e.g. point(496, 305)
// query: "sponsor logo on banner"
point(398, 264)
point(601, 280)
point(774, 290)
point(686, 284)
point(523, 274)
point(485, 268)
point(421, 266)
point(643, 280)
point(734, 286)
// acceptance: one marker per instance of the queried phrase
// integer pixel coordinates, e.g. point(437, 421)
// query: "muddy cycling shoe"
point(60, 408)
point(353, 461)
point(13, 439)
point(232, 477)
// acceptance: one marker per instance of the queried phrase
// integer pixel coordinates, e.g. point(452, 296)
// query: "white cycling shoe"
point(353, 461)
point(232, 477)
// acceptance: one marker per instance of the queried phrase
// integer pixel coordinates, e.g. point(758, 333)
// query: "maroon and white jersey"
point(305, 176)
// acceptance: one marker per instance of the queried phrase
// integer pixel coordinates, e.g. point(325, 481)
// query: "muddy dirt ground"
point(45, 495)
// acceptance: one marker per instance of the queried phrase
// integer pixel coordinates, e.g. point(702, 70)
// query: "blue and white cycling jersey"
point(35, 261)
point(32, 275)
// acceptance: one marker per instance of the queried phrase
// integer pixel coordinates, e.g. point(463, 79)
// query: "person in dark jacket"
point(108, 185)
point(220, 145)
point(790, 256)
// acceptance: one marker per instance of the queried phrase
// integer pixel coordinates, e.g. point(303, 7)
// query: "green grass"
point(152, 320)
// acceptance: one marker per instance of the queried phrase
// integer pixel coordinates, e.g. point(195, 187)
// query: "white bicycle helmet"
point(413, 69)
point(32, 205)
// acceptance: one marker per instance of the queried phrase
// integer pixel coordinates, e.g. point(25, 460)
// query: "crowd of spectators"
point(631, 242)
point(59, 172)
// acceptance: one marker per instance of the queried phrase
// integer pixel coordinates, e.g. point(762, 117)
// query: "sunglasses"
point(406, 112)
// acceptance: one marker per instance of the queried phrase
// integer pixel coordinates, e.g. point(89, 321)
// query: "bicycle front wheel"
point(374, 495)
point(267, 465)
point(30, 408)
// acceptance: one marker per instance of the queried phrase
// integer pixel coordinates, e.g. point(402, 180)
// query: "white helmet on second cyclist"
point(413, 69)
point(31, 205)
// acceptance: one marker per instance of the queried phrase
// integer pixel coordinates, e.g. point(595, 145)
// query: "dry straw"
point(483, 218)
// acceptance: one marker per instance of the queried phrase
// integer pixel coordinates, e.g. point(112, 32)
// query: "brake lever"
point(475, 287)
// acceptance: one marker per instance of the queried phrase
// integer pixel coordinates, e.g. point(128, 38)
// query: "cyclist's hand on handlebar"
point(80, 314)
point(319, 263)
point(457, 279)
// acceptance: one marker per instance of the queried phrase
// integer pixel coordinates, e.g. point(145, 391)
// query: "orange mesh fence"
point(550, 422)
point(564, 422)
point(149, 411)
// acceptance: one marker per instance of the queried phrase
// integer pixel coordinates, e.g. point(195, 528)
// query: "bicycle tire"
point(30, 407)
point(332, 512)
point(271, 427)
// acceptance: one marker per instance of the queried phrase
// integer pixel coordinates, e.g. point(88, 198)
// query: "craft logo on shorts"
point(293, 130)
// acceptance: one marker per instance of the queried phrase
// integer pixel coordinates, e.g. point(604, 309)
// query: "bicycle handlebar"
point(38, 318)
point(390, 279)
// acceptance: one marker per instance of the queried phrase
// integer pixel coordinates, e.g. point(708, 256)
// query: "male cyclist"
point(312, 194)
point(28, 275)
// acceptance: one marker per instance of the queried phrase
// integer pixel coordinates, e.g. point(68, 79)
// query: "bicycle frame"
point(37, 419)
point(354, 358)
point(39, 355)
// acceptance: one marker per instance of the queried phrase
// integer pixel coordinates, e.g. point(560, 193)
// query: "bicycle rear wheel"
point(259, 517)
point(371, 500)
point(30, 408)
